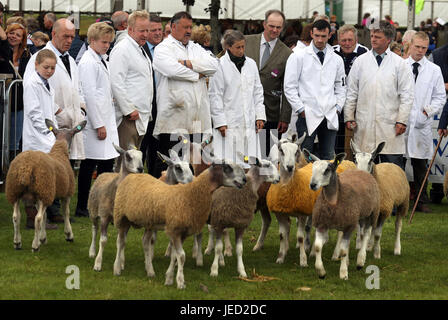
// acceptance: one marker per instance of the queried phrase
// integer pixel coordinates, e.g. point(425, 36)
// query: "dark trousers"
point(419, 167)
point(149, 148)
point(327, 138)
point(85, 178)
point(398, 159)
point(340, 136)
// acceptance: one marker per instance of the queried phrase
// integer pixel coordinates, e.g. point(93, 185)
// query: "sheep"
point(347, 199)
point(102, 195)
point(143, 201)
point(38, 177)
point(292, 197)
point(233, 208)
point(394, 191)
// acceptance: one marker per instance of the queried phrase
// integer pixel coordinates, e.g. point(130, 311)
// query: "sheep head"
point(288, 154)
point(365, 160)
point(178, 170)
point(131, 159)
point(323, 170)
point(65, 133)
point(264, 169)
point(227, 174)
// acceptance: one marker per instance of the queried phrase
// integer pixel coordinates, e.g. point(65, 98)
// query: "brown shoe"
point(56, 219)
point(423, 208)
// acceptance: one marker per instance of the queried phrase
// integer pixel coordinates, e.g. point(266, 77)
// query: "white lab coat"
point(131, 80)
point(68, 96)
point(38, 105)
point(429, 96)
point(378, 98)
point(236, 101)
point(314, 87)
point(183, 104)
point(95, 82)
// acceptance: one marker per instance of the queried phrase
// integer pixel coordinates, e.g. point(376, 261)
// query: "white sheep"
point(38, 178)
point(102, 196)
point(183, 209)
point(394, 192)
point(234, 208)
point(347, 200)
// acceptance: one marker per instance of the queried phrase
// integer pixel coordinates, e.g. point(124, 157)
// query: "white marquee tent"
point(245, 9)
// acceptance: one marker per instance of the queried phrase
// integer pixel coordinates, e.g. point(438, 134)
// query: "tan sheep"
point(347, 200)
point(394, 192)
point(143, 201)
point(38, 178)
point(102, 196)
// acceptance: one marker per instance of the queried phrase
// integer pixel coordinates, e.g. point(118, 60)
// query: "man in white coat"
point(181, 68)
point(380, 95)
point(429, 99)
point(67, 93)
point(315, 88)
point(131, 81)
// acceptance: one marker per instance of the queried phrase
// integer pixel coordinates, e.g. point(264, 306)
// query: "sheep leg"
point(337, 249)
point(376, 239)
point(147, 249)
point(16, 221)
point(301, 222)
point(169, 275)
point(180, 256)
point(168, 249)
point(102, 244)
point(265, 223)
point(398, 226)
point(211, 236)
point(153, 242)
point(308, 226)
point(358, 237)
point(194, 251)
point(321, 238)
point(361, 259)
point(345, 246)
point(239, 252)
point(43, 230)
point(95, 227)
point(218, 253)
point(227, 243)
point(38, 225)
point(199, 257)
point(67, 226)
point(121, 241)
point(284, 227)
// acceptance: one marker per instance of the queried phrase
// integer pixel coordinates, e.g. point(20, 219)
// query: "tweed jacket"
point(271, 76)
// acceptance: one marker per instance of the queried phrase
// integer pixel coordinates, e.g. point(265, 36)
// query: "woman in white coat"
point(236, 102)
point(101, 129)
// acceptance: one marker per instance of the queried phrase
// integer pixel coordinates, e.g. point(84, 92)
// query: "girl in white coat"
point(101, 129)
point(38, 100)
point(236, 102)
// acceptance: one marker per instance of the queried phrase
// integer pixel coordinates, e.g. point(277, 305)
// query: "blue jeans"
point(16, 130)
point(327, 138)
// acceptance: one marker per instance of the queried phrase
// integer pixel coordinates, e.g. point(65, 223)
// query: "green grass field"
point(419, 273)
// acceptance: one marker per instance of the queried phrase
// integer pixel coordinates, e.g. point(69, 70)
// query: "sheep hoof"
point(280, 260)
point(35, 250)
point(18, 245)
point(181, 286)
point(43, 241)
point(257, 248)
point(70, 240)
point(97, 268)
point(322, 277)
point(359, 267)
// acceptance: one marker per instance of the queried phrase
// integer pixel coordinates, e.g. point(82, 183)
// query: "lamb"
point(233, 208)
point(349, 199)
point(293, 197)
point(102, 196)
point(143, 201)
point(38, 178)
point(394, 191)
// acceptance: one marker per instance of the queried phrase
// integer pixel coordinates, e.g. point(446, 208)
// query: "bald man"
point(65, 83)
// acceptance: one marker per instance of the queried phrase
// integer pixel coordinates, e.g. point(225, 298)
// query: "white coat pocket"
point(177, 98)
point(422, 120)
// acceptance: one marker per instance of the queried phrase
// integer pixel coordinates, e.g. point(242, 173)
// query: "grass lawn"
point(419, 273)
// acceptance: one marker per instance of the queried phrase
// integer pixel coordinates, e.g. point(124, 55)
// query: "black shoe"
point(82, 213)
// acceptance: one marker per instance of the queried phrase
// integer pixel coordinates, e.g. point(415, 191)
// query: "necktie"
point(321, 56)
point(48, 86)
point(266, 55)
point(379, 59)
point(415, 66)
point(104, 63)
point(66, 61)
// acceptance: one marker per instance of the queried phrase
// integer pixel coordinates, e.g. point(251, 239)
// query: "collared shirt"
point(56, 51)
point(272, 44)
point(317, 50)
point(151, 48)
point(45, 81)
point(376, 54)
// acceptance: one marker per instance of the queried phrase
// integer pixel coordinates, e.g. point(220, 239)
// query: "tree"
point(214, 9)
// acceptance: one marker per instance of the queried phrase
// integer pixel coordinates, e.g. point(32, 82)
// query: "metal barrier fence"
point(8, 110)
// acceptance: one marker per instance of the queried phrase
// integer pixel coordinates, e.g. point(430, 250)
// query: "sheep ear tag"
point(78, 128)
point(246, 159)
point(50, 128)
